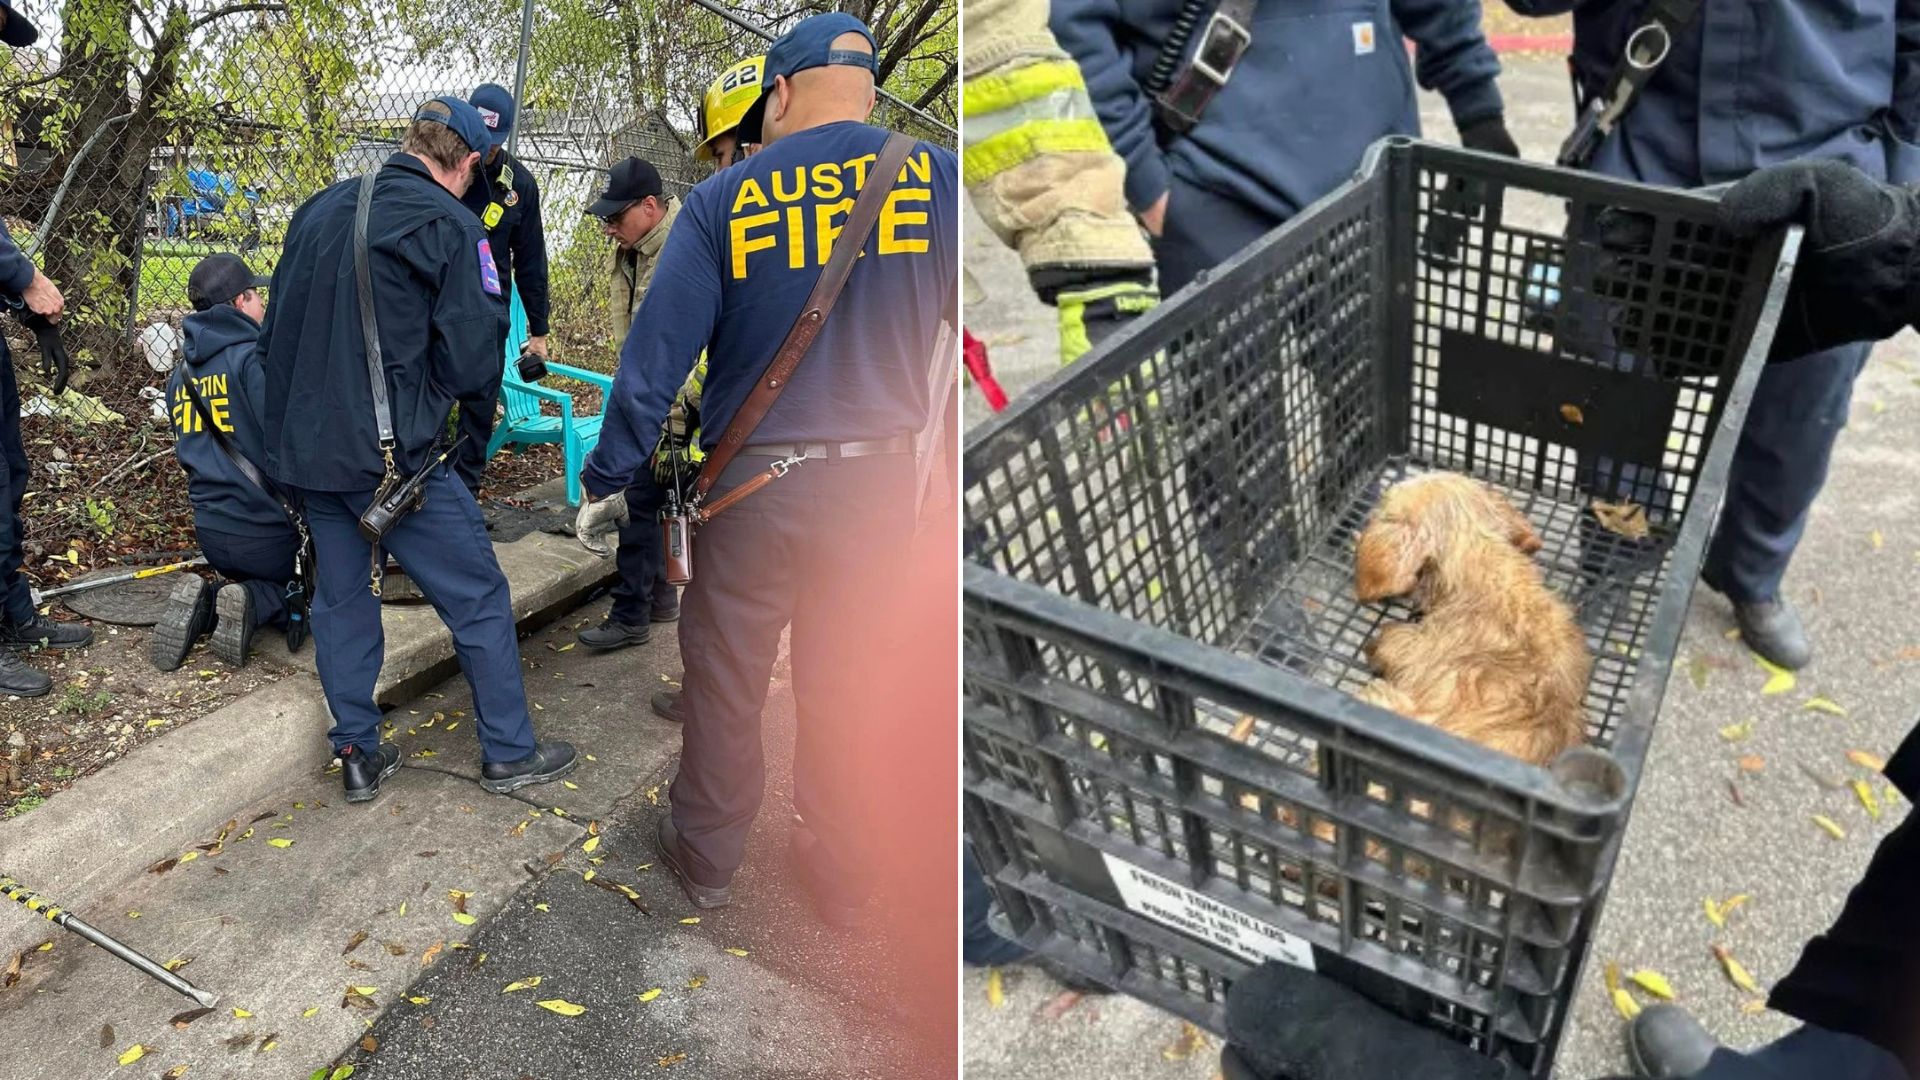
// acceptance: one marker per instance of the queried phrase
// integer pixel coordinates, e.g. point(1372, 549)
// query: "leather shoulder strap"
point(833, 276)
point(369, 328)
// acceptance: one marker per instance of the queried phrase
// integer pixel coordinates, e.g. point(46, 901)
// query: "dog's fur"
point(1498, 657)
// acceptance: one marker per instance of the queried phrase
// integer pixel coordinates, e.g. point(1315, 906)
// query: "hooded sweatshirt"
point(220, 358)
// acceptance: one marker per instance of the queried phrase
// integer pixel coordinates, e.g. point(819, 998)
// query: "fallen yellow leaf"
point(738, 952)
point(1628, 519)
point(592, 844)
point(564, 1008)
point(1830, 825)
point(1867, 761)
point(308, 1015)
point(1735, 972)
point(1779, 679)
point(696, 982)
point(364, 991)
point(1737, 732)
point(463, 918)
point(570, 785)
point(1874, 537)
point(671, 1059)
point(540, 907)
point(1191, 1041)
point(421, 999)
point(1653, 983)
point(1867, 800)
point(133, 1053)
point(241, 1014)
point(1624, 1002)
point(189, 857)
point(651, 994)
point(280, 842)
point(693, 921)
point(1821, 704)
point(1754, 1006)
point(522, 984)
point(996, 993)
point(1572, 414)
point(174, 1073)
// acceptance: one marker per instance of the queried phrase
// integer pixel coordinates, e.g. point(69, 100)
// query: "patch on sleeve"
point(489, 270)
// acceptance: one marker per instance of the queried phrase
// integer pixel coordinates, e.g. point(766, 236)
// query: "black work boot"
point(666, 603)
point(705, 897)
point(361, 771)
point(824, 886)
point(1771, 629)
point(613, 635)
point(233, 632)
point(1664, 1043)
point(666, 706)
point(46, 633)
point(20, 678)
point(549, 762)
point(188, 617)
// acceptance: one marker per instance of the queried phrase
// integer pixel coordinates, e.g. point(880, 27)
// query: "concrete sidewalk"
point(1854, 579)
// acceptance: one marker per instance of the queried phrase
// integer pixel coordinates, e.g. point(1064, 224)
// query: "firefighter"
point(726, 102)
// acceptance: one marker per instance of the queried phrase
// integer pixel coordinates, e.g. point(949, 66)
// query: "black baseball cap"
point(217, 279)
point(18, 31)
point(808, 45)
point(627, 183)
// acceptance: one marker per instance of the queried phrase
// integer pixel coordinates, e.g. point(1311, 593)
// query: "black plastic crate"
point(1167, 778)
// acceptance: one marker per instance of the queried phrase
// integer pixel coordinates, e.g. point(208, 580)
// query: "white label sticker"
point(1362, 38)
point(1205, 918)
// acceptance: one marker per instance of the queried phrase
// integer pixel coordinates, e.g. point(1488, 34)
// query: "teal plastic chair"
point(525, 425)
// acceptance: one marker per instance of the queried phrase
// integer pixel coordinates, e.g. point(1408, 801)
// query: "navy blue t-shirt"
point(744, 254)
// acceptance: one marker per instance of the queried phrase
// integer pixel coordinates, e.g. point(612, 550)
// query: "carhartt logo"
point(1362, 38)
point(491, 118)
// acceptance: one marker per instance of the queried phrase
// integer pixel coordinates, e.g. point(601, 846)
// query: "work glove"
point(1287, 1023)
point(55, 365)
point(597, 519)
point(1463, 198)
point(1855, 279)
point(1089, 314)
point(673, 454)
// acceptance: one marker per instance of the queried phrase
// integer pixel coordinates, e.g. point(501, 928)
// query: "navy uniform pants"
point(445, 551)
point(1202, 230)
point(823, 549)
point(642, 587)
point(17, 604)
point(476, 423)
point(260, 561)
point(1779, 466)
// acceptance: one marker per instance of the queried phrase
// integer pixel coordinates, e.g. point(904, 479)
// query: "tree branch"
point(231, 9)
point(938, 88)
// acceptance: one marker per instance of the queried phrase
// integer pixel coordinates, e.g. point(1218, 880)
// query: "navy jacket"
point(519, 241)
point(1322, 80)
point(16, 273)
point(1759, 82)
point(436, 294)
point(219, 351)
point(744, 253)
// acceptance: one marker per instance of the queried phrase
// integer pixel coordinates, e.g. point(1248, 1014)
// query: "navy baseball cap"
point(18, 31)
point(217, 279)
point(496, 109)
point(808, 45)
point(463, 120)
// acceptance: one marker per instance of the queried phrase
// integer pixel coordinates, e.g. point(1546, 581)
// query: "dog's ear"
point(1519, 531)
point(1388, 559)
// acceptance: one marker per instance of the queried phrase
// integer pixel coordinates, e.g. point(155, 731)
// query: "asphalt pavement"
point(1854, 579)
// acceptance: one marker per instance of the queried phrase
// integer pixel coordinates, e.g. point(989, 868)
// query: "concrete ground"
point(1854, 579)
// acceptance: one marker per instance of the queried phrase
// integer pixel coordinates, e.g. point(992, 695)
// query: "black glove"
point(1286, 1023)
point(54, 363)
point(1855, 279)
point(1463, 198)
point(1489, 135)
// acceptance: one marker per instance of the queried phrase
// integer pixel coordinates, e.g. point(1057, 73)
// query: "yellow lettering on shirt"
point(742, 245)
point(749, 195)
point(796, 238)
point(825, 228)
point(859, 167)
point(826, 181)
point(892, 217)
point(213, 389)
point(781, 194)
point(920, 166)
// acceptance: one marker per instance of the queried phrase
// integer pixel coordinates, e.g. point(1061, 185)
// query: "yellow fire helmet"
point(727, 101)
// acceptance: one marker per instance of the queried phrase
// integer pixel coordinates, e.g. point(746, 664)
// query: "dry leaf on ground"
point(1628, 519)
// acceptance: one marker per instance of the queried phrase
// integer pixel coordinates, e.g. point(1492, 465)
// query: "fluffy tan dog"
point(1498, 657)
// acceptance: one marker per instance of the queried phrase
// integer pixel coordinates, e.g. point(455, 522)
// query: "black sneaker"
point(362, 772)
point(666, 705)
point(614, 635)
point(22, 679)
point(233, 633)
point(549, 762)
point(46, 633)
point(705, 897)
point(188, 618)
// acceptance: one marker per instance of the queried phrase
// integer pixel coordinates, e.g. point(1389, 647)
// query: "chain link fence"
point(140, 135)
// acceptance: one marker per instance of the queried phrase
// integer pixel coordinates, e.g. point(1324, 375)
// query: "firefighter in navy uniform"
point(434, 299)
point(21, 626)
point(822, 547)
point(506, 199)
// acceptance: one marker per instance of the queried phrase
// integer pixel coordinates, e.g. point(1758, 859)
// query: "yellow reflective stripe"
point(1005, 90)
point(989, 157)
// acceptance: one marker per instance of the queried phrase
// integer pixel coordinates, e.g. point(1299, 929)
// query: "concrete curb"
point(175, 792)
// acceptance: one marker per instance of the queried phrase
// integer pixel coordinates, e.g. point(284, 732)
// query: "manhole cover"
point(507, 523)
point(130, 603)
